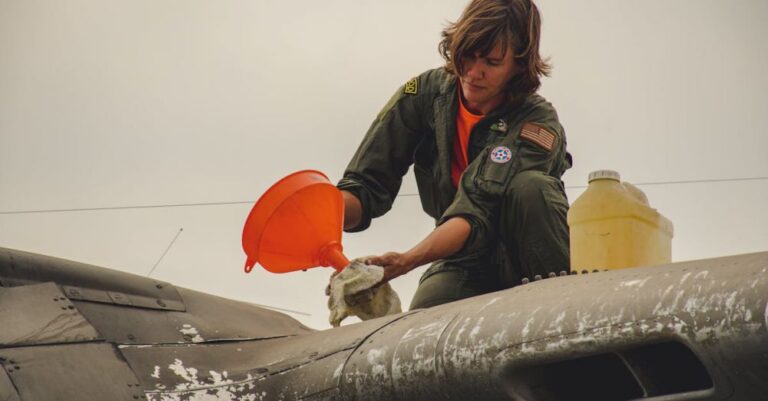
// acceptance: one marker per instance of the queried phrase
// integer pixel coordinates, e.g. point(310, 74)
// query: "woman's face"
point(485, 78)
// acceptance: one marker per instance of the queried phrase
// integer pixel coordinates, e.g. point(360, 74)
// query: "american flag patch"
point(538, 135)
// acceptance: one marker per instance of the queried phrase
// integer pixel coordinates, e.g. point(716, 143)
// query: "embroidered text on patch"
point(538, 135)
point(412, 87)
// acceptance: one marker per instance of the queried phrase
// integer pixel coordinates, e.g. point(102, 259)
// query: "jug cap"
point(604, 175)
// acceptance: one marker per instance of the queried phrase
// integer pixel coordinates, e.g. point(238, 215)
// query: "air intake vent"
point(641, 372)
point(667, 368)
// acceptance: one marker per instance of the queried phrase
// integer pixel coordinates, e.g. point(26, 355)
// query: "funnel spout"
point(332, 255)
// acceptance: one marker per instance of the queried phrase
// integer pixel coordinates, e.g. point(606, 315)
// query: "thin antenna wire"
point(166, 251)
point(639, 184)
point(263, 306)
point(90, 209)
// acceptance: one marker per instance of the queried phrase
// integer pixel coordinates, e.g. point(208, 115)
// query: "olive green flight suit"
point(510, 193)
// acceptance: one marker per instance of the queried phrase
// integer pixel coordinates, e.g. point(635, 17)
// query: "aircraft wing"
point(685, 331)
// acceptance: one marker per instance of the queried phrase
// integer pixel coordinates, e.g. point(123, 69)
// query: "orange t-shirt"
point(465, 121)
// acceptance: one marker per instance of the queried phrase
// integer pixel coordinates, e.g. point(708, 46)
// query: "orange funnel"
point(296, 225)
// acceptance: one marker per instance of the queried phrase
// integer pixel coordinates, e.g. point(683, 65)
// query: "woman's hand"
point(444, 241)
point(395, 264)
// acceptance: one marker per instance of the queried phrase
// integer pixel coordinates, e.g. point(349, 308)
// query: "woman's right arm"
point(353, 210)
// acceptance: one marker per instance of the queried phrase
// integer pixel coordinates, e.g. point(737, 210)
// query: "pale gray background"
point(141, 103)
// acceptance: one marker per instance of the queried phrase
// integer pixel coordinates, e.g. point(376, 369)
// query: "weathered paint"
point(218, 386)
point(458, 351)
point(701, 304)
point(191, 333)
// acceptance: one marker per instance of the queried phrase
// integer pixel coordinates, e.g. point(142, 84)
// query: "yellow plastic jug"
point(612, 226)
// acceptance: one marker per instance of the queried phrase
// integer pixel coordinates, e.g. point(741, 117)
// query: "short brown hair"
point(514, 24)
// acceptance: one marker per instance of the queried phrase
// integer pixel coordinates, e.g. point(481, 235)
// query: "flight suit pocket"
point(494, 169)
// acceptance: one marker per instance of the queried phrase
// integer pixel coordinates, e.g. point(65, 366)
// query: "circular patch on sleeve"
point(501, 154)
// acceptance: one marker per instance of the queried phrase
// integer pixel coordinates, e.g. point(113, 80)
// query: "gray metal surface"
point(208, 318)
point(125, 308)
point(7, 390)
point(686, 331)
point(70, 372)
point(250, 364)
point(715, 307)
point(87, 282)
point(40, 314)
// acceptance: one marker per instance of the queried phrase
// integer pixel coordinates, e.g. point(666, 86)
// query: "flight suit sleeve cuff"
point(358, 191)
point(477, 240)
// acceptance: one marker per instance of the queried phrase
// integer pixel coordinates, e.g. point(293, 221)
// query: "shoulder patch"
point(411, 87)
point(539, 136)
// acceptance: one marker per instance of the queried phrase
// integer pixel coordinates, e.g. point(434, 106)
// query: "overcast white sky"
point(109, 103)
